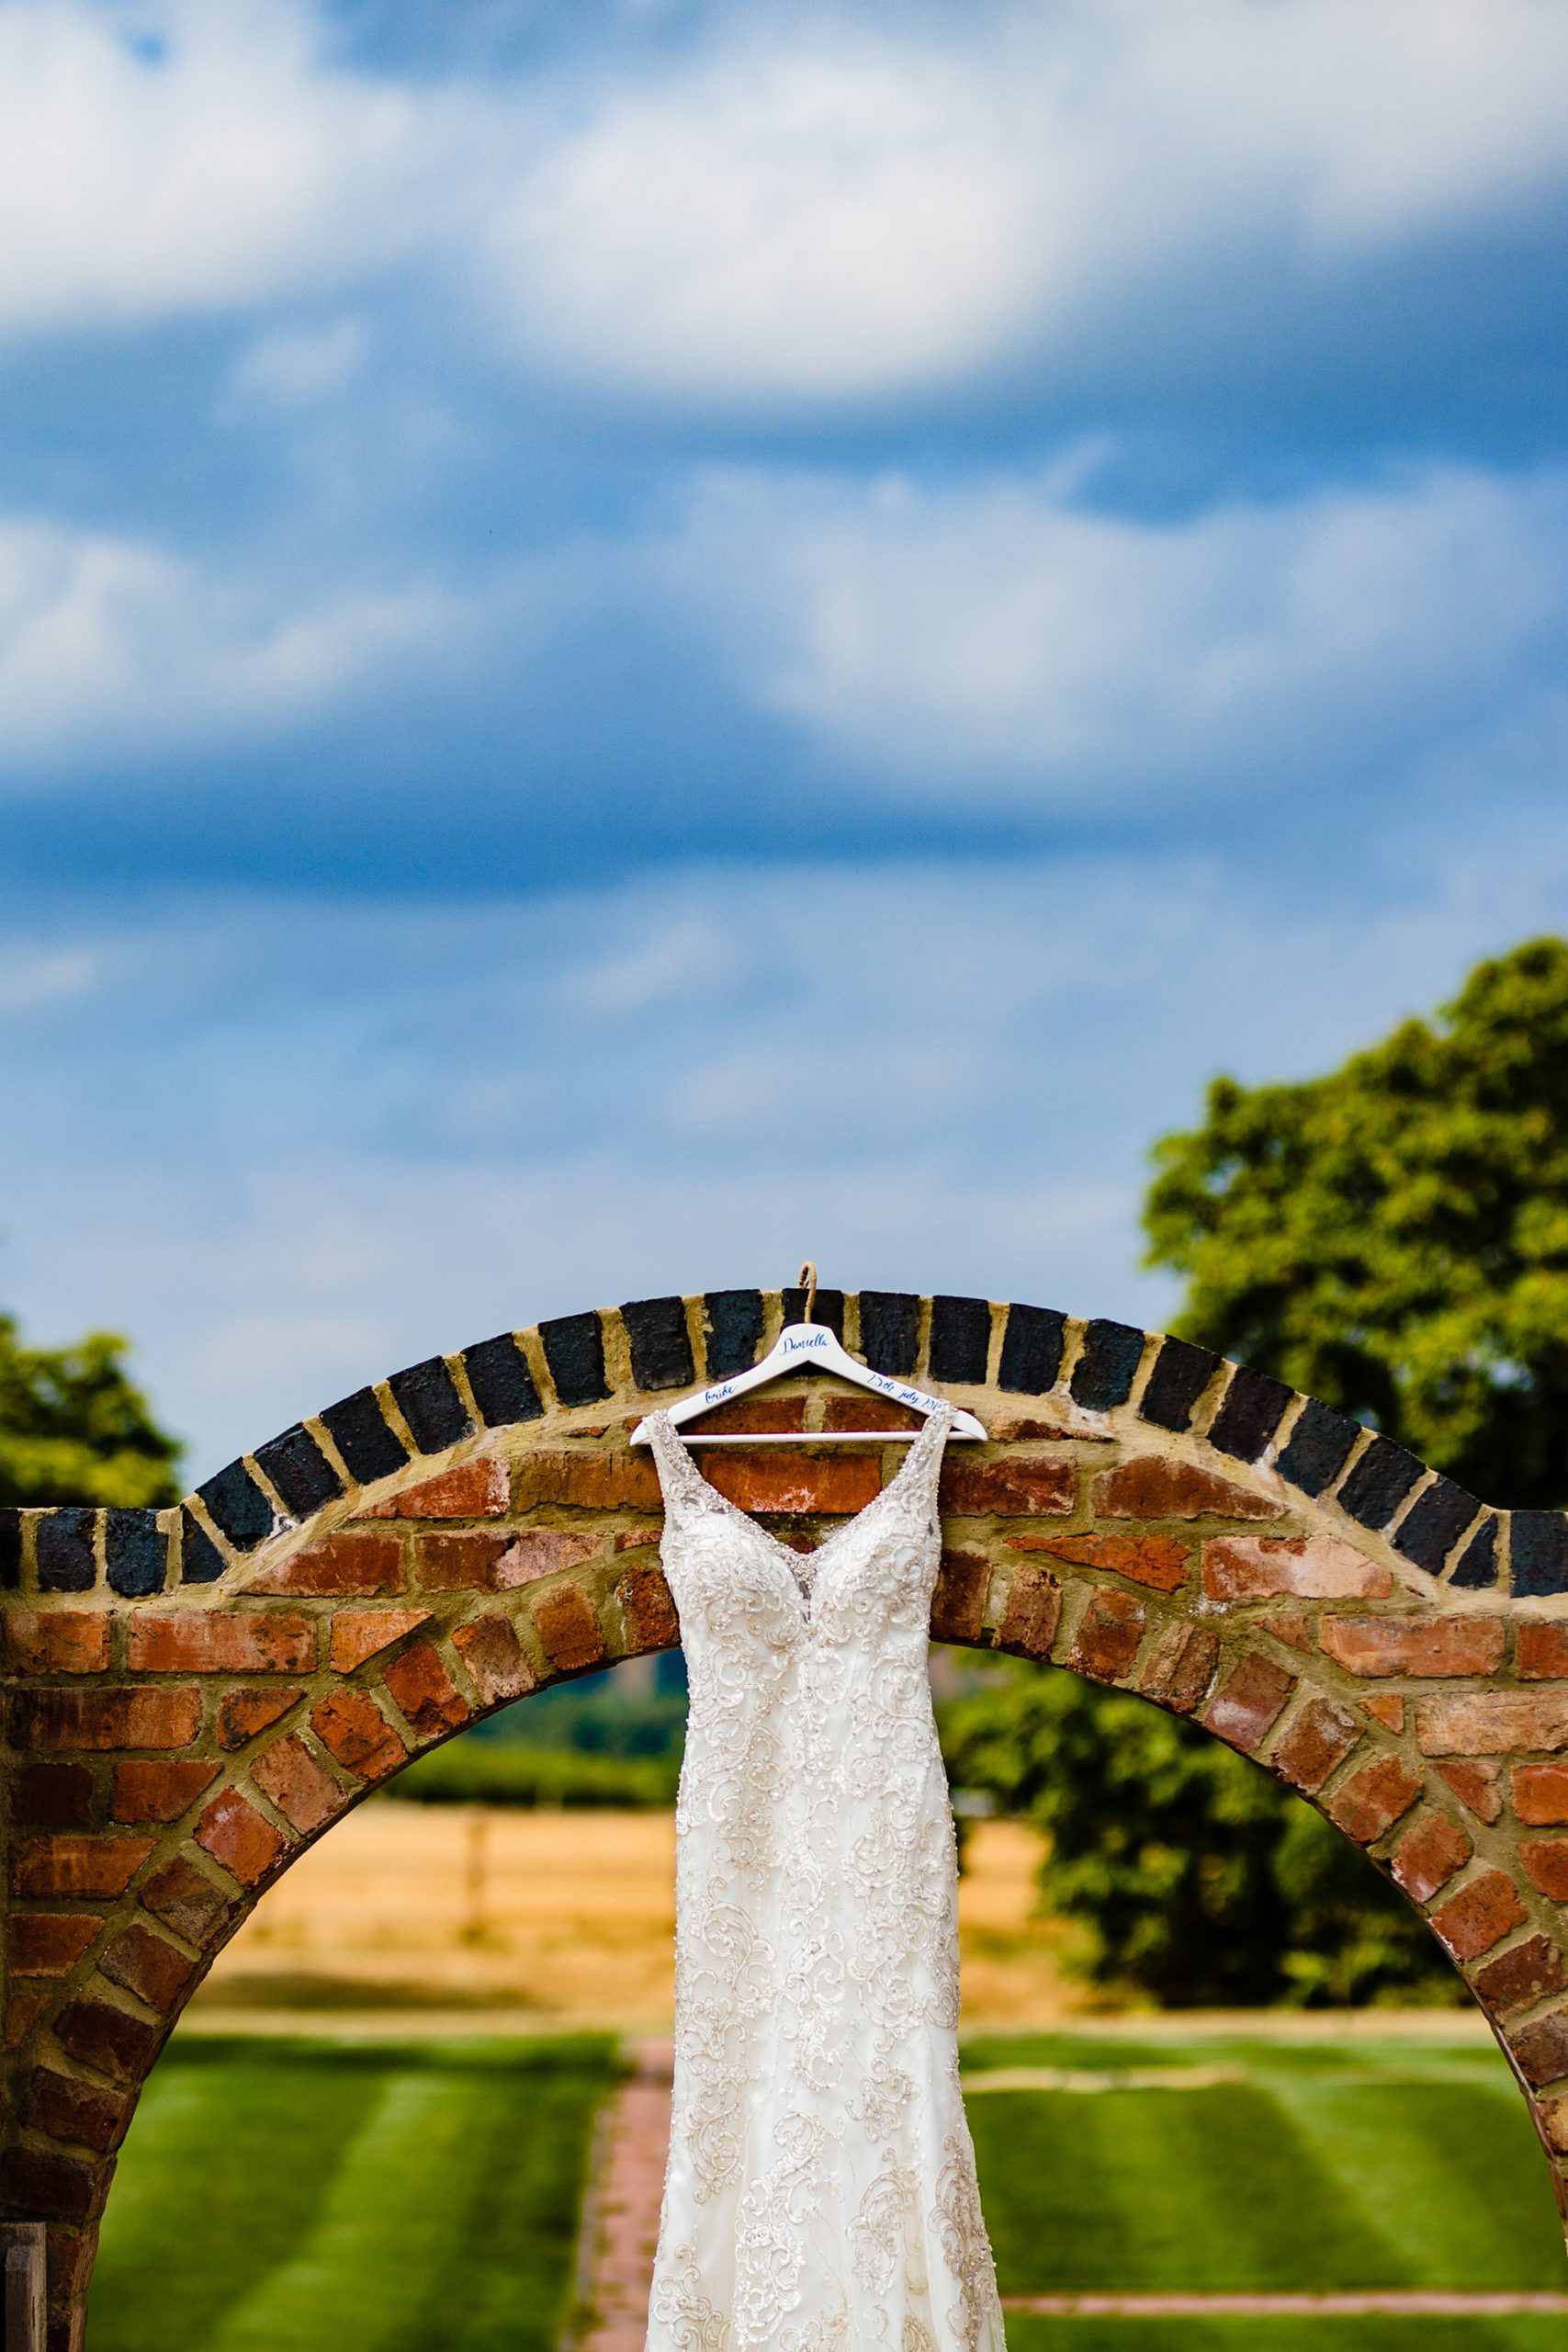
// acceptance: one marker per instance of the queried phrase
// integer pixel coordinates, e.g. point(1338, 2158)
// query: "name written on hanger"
point(815, 1341)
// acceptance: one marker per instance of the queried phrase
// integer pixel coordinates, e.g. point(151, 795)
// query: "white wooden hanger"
point(812, 1345)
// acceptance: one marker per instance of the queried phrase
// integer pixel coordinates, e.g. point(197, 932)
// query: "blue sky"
point(639, 640)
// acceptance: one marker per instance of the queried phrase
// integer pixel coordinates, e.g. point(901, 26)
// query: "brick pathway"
point(622, 2222)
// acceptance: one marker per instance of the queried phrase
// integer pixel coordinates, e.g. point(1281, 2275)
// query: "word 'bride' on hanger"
point(807, 1347)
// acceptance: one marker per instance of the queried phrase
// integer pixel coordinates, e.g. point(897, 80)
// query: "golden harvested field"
point(566, 1919)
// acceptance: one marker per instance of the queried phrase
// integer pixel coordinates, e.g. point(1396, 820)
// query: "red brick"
point(1492, 1722)
point(59, 2188)
point(159, 1792)
point(243, 1714)
point(1148, 1486)
point(568, 1632)
point(1159, 1561)
point(958, 1601)
point(1518, 1978)
point(214, 1642)
point(351, 1567)
point(752, 1414)
point(236, 1835)
point(1421, 1645)
point(1545, 1861)
point(1294, 1627)
point(1553, 2114)
point(425, 1693)
point(55, 1796)
point(492, 1657)
point(1020, 1485)
point(103, 1719)
point(476, 1560)
point(58, 1641)
point(840, 1413)
point(831, 1484)
point(1541, 2048)
point(1479, 1916)
point(290, 1777)
point(1180, 1668)
point(648, 1611)
point(50, 1943)
point(1543, 1649)
point(68, 1865)
point(1372, 1799)
point(473, 1491)
point(1477, 1782)
point(109, 2039)
point(1317, 1743)
point(1108, 1637)
point(1385, 1709)
point(359, 1634)
point(1317, 1567)
point(352, 1729)
point(636, 1539)
point(157, 1972)
point(1427, 1856)
point(619, 1481)
point(1540, 1793)
point(187, 1901)
point(72, 2111)
point(1248, 1702)
point(1029, 1619)
point(23, 2010)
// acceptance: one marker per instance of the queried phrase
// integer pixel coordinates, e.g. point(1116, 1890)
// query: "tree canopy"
point(1392, 1238)
point(75, 1429)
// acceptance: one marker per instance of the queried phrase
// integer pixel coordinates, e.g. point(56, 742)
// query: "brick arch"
point(196, 1695)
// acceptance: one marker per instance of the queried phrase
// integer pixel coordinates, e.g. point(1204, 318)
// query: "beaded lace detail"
point(820, 2195)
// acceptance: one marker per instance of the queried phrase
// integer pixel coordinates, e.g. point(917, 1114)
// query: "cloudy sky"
point(640, 639)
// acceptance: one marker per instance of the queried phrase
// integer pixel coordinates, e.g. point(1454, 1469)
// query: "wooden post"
point(24, 2244)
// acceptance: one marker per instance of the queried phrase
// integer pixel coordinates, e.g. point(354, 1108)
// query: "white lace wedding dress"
point(820, 2195)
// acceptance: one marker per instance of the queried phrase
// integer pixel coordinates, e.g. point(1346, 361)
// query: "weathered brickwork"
point(193, 1696)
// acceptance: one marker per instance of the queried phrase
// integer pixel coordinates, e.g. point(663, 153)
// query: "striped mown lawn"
point(1272, 2167)
point(312, 2197)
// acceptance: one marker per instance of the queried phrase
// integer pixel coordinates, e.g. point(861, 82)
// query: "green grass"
point(304, 2197)
point(1377, 2165)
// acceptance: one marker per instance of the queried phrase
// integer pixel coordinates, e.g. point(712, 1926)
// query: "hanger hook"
point(807, 1283)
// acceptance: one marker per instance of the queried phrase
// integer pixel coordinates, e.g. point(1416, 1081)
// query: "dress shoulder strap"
point(922, 1467)
point(680, 1480)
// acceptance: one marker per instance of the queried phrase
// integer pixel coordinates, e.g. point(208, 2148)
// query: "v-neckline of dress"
point(805, 1592)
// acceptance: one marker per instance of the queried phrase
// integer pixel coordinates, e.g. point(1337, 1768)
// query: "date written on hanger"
point(808, 1346)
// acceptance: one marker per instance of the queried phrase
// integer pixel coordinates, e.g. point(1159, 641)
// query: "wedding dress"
point(820, 2194)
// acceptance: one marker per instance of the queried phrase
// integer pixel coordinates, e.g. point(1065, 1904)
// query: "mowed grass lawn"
point(1391, 2165)
point(300, 2196)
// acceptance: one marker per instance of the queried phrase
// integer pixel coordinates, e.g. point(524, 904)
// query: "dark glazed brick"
point(237, 1507)
point(1477, 1567)
point(1433, 1525)
point(1379, 1483)
point(296, 1465)
point(827, 1308)
point(1537, 1551)
point(574, 1349)
point(136, 1549)
point(428, 1399)
point(10, 1550)
point(65, 1562)
point(1319, 1447)
point(890, 1331)
point(1253, 1409)
point(361, 1434)
point(733, 1319)
point(503, 1387)
point(1104, 1373)
point(1181, 1372)
point(1031, 1350)
point(961, 1339)
point(200, 1560)
point(660, 1343)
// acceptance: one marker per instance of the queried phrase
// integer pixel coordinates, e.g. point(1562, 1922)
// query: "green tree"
point(1393, 1238)
point(75, 1429)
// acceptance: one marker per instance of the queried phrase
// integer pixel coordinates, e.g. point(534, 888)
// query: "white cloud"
point(115, 643)
point(31, 979)
point(293, 368)
point(998, 635)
